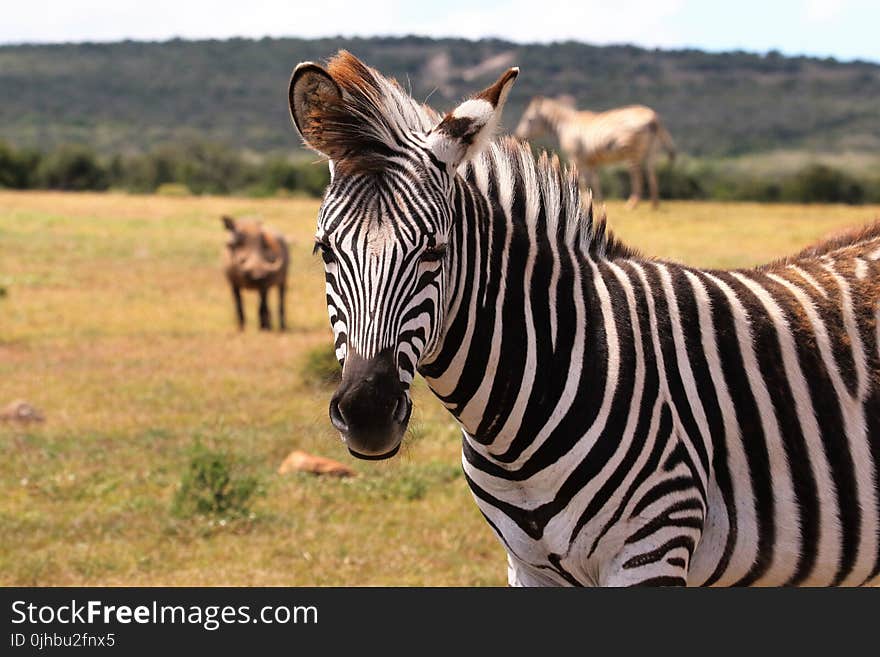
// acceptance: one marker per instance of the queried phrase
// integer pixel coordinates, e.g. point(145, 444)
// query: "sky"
point(844, 29)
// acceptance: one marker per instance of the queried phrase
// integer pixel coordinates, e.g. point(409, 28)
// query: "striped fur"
point(626, 421)
point(593, 139)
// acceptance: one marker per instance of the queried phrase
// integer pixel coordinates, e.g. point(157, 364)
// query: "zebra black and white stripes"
point(625, 420)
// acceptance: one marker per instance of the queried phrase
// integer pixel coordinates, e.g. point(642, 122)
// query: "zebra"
point(625, 420)
point(590, 139)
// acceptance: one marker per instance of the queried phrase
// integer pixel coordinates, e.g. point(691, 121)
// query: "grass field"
point(117, 323)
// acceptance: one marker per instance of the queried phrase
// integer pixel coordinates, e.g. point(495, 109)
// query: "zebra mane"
point(367, 125)
point(839, 241)
point(544, 183)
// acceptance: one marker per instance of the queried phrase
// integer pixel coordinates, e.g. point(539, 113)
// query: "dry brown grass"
point(119, 326)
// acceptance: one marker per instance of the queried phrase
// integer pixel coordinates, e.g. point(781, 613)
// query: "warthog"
point(256, 258)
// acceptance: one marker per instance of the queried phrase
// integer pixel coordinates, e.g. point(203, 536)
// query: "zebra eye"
point(327, 254)
point(433, 253)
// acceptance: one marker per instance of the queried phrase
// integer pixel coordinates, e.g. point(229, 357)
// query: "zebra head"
point(384, 231)
point(533, 124)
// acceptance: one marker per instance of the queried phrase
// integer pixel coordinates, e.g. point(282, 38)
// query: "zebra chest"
point(531, 530)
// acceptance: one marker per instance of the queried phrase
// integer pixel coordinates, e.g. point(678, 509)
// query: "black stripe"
point(658, 553)
point(766, 340)
point(664, 580)
point(708, 397)
point(751, 431)
point(671, 373)
point(829, 417)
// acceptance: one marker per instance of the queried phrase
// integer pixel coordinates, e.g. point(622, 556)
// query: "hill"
point(129, 96)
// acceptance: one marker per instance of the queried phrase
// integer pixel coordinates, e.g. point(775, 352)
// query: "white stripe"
point(809, 279)
point(686, 373)
point(861, 268)
point(851, 409)
point(859, 442)
point(786, 516)
point(828, 553)
point(745, 546)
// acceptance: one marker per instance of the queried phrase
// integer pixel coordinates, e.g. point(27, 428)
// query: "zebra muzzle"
point(371, 408)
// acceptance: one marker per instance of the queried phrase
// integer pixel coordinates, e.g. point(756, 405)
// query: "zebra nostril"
point(402, 409)
point(337, 418)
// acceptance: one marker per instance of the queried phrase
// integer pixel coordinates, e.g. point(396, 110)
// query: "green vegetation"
point(119, 327)
point(734, 180)
point(213, 485)
point(211, 116)
point(203, 168)
point(129, 96)
point(194, 166)
point(321, 366)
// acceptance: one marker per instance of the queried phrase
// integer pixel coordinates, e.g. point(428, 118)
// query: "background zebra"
point(625, 420)
point(592, 139)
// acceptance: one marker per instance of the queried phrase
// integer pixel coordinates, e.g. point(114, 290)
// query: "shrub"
point(681, 181)
point(819, 183)
point(312, 178)
point(321, 367)
point(18, 169)
point(213, 484)
point(72, 168)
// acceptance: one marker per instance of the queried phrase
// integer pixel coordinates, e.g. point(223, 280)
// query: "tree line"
point(189, 167)
point(204, 167)
point(132, 95)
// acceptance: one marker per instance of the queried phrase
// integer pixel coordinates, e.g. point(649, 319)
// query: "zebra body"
point(625, 420)
point(629, 134)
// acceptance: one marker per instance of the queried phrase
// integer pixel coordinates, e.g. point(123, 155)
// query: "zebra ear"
point(463, 133)
point(311, 92)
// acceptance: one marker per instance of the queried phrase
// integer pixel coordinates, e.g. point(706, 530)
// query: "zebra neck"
point(520, 314)
point(556, 117)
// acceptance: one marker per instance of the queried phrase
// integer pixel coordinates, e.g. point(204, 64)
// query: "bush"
point(196, 166)
point(18, 169)
point(819, 183)
point(205, 167)
point(313, 178)
point(707, 179)
point(682, 181)
point(214, 485)
point(72, 168)
point(321, 367)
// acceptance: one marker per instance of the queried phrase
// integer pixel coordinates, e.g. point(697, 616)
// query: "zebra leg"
point(282, 323)
point(635, 178)
point(652, 185)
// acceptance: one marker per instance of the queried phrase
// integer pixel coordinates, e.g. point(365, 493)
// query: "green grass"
point(117, 323)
